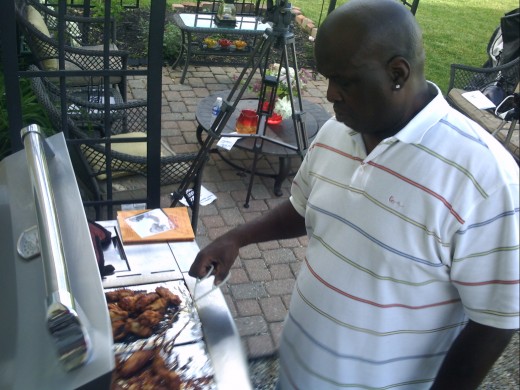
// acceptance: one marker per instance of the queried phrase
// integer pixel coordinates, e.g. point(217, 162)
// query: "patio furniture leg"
point(257, 151)
point(283, 172)
point(187, 61)
point(183, 49)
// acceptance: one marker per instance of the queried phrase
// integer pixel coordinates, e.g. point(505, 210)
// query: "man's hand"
point(220, 254)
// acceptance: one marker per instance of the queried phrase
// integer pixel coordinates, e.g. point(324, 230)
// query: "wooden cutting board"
point(182, 230)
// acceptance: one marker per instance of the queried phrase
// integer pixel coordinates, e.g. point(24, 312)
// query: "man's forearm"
point(280, 223)
point(471, 356)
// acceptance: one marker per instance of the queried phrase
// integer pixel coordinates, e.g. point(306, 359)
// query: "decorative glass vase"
point(227, 11)
point(247, 122)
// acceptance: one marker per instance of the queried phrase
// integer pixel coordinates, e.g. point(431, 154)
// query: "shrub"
point(32, 112)
point(172, 42)
point(116, 9)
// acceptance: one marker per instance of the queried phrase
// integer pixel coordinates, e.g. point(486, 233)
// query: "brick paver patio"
point(261, 281)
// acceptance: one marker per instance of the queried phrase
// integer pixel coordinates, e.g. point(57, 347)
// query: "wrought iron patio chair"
point(470, 78)
point(500, 74)
point(502, 66)
point(127, 122)
point(81, 50)
point(467, 78)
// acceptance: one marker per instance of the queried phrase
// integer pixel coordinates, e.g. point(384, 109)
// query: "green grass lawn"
point(455, 31)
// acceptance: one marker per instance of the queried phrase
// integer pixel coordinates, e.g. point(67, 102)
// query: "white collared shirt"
point(405, 245)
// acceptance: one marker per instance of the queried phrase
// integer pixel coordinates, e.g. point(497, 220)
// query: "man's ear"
point(398, 69)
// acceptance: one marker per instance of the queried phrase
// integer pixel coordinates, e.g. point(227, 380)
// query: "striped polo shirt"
point(405, 245)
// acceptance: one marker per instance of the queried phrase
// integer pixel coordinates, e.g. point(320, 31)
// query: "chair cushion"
point(36, 19)
point(73, 31)
point(72, 28)
point(97, 160)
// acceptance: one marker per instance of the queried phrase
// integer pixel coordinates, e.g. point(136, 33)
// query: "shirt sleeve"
point(302, 182)
point(485, 262)
point(300, 188)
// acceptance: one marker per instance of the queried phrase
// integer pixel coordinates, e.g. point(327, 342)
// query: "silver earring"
point(397, 86)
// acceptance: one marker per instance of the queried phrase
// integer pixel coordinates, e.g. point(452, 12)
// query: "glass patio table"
point(194, 27)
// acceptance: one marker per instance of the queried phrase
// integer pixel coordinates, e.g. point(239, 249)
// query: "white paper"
point(150, 223)
point(478, 99)
point(206, 196)
point(227, 142)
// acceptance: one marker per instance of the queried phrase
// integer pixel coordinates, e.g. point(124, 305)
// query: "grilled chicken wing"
point(171, 297)
point(116, 295)
point(142, 325)
point(137, 312)
point(145, 300)
point(136, 362)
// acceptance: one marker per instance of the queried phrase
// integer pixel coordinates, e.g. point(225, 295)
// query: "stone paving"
point(258, 290)
point(261, 280)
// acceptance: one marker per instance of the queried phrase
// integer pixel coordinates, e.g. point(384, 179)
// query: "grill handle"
point(67, 331)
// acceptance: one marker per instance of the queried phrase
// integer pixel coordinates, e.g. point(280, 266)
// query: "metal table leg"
point(283, 172)
point(188, 56)
point(510, 132)
point(183, 48)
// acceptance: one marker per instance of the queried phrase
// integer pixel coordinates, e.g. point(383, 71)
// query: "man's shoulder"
point(336, 135)
point(332, 129)
point(462, 144)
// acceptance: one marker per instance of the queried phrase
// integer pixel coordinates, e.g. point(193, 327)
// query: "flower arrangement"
point(283, 107)
point(283, 86)
point(283, 104)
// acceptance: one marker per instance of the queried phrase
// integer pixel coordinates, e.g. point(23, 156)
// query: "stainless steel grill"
point(143, 266)
point(62, 274)
point(47, 252)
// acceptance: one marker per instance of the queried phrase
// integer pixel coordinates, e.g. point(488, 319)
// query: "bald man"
point(411, 275)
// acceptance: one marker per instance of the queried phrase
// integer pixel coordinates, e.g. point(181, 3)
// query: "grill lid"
point(27, 344)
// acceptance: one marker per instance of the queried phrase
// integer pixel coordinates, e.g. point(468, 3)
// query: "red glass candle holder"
point(274, 119)
point(247, 122)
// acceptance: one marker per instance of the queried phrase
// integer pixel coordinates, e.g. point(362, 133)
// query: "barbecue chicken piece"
point(116, 313)
point(159, 305)
point(135, 363)
point(142, 325)
point(116, 295)
point(119, 330)
point(137, 312)
point(144, 300)
point(118, 319)
point(146, 370)
point(128, 302)
point(170, 378)
point(149, 318)
point(171, 297)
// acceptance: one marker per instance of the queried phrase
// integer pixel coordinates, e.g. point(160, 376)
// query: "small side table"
point(204, 24)
point(315, 117)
